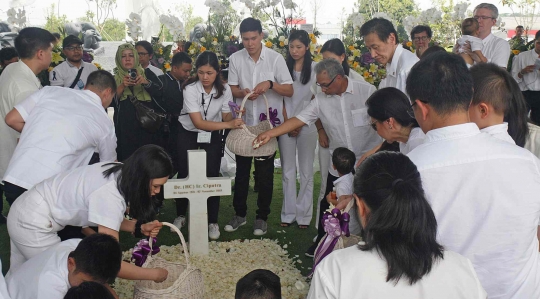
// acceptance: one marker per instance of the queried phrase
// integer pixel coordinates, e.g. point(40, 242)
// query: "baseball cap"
point(70, 40)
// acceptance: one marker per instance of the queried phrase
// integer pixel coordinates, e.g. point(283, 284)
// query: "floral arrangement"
point(162, 55)
point(134, 26)
point(16, 18)
point(174, 25)
point(360, 61)
point(227, 262)
point(59, 57)
point(278, 44)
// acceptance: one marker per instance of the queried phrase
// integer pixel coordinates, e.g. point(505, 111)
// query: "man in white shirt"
point(496, 50)
point(381, 39)
point(259, 70)
point(73, 68)
point(62, 129)
point(342, 110)
point(483, 191)
point(18, 81)
point(51, 273)
point(525, 71)
point(146, 52)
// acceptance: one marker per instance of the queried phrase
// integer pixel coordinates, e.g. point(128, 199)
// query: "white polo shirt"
point(65, 73)
point(64, 127)
point(529, 81)
point(211, 110)
point(246, 73)
point(485, 195)
point(45, 276)
point(344, 118)
point(416, 137)
point(398, 70)
point(17, 83)
point(155, 70)
point(500, 132)
point(496, 50)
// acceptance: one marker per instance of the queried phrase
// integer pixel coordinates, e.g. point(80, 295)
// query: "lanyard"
point(208, 107)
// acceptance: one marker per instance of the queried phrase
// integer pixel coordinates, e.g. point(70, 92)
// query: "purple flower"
point(231, 49)
point(161, 60)
point(87, 57)
point(366, 59)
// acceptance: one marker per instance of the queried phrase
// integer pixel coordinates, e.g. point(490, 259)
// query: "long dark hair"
point(391, 102)
point(401, 225)
point(494, 86)
point(133, 181)
point(336, 46)
point(208, 58)
point(303, 37)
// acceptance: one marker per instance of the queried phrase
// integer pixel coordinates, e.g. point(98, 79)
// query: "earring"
point(391, 127)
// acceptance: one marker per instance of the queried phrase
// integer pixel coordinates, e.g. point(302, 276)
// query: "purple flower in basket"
point(161, 60)
point(366, 59)
point(87, 57)
point(231, 50)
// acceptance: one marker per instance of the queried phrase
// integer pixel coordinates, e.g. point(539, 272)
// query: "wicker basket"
point(240, 141)
point(184, 280)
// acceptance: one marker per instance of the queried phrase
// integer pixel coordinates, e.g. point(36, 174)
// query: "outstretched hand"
point(261, 140)
point(151, 229)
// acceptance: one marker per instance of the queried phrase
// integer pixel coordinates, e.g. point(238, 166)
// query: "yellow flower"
point(355, 64)
point(409, 44)
point(282, 44)
point(366, 74)
point(373, 67)
point(313, 40)
point(356, 52)
point(98, 65)
point(215, 39)
point(56, 58)
point(351, 47)
point(160, 51)
point(50, 69)
point(311, 36)
point(268, 44)
point(203, 49)
point(516, 52)
point(167, 66)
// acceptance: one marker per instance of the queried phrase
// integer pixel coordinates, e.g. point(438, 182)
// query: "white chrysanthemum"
point(286, 42)
point(203, 40)
point(281, 38)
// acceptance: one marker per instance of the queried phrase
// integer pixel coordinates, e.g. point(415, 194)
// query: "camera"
point(132, 73)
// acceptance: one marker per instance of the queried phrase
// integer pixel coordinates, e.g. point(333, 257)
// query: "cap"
point(70, 40)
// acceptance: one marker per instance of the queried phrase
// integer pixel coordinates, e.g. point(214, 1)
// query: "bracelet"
point(320, 129)
point(138, 231)
point(271, 84)
point(521, 73)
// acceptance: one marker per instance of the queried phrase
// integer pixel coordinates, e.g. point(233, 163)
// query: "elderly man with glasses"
point(496, 49)
point(421, 37)
point(342, 110)
point(73, 72)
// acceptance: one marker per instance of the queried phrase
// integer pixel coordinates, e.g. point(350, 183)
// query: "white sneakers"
point(213, 231)
point(179, 222)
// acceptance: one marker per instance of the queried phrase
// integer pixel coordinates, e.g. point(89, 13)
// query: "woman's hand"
point(127, 81)
point(295, 133)
point(151, 229)
point(140, 80)
point(235, 123)
point(160, 275)
point(323, 138)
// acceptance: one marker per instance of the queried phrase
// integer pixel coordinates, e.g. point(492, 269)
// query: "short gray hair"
point(493, 8)
point(331, 66)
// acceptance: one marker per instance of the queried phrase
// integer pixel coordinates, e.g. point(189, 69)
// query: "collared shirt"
point(529, 81)
point(155, 70)
point(344, 118)
point(416, 137)
point(246, 73)
point(398, 70)
point(533, 139)
point(65, 73)
point(485, 195)
point(210, 110)
point(63, 128)
point(170, 97)
point(302, 93)
point(500, 132)
point(344, 185)
point(18, 82)
point(44, 276)
point(355, 274)
point(496, 50)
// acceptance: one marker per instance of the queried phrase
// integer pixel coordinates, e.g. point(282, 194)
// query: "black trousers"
point(324, 205)
point(533, 104)
point(264, 166)
point(12, 192)
point(187, 140)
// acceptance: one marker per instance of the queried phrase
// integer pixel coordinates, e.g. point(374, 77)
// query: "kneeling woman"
point(95, 195)
point(206, 111)
point(400, 257)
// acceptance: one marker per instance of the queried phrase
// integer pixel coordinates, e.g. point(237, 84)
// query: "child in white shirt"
point(469, 29)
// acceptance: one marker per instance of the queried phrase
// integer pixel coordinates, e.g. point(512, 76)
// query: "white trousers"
point(31, 228)
point(299, 207)
point(324, 161)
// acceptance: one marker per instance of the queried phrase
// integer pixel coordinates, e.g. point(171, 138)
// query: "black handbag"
point(149, 119)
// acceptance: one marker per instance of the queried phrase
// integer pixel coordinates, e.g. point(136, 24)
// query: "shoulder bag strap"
point(77, 78)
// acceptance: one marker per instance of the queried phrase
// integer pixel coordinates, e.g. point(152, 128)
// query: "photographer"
point(525, 71)
point(133, 82)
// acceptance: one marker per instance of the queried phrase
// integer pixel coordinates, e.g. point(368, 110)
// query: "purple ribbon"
point(273, 117)
point(335, 225)
point(142, 249)
point(234, 107)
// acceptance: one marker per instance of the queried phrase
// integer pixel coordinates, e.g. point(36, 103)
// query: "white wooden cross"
point(197, 188)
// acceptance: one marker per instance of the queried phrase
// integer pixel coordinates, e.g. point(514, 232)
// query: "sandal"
point(301, 226)
point(285, 224)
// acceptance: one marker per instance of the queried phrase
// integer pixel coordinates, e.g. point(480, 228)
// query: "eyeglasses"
point(482, 17)
point(421, 38)
point(142, 53)
point(326, 85)
point(78, 48)
point(373, 125)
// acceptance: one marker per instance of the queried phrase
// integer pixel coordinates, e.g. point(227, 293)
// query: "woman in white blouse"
point(206, 111)
point(302, 141)
point(399, 257)
point(95, 195)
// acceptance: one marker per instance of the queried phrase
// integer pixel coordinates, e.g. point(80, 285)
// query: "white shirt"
point(530, 81)
point(533, 140)
point(344, 185)
point(354, 274)
point(496, 50)
point(246, 73)
point(65, 73)
point(17, 82)
point(83, 197)
point(398, 70)
point(155, 70)
point(63, 128)
point(3, 287)
point(344, 118)
point(416, 137)
point(302, 93)
point(485, 195)
point(476, 43)
point(211, 110)
point(45, 276)
point(500, 132)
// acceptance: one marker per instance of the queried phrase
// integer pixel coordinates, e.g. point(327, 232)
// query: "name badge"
point(204, 137)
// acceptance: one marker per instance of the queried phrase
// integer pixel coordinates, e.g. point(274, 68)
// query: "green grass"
point(300, 239)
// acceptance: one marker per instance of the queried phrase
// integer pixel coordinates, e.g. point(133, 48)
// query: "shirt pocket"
point(360, 117)
point(265, 76)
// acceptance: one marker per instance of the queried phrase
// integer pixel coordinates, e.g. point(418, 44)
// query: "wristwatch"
point(271, 84)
